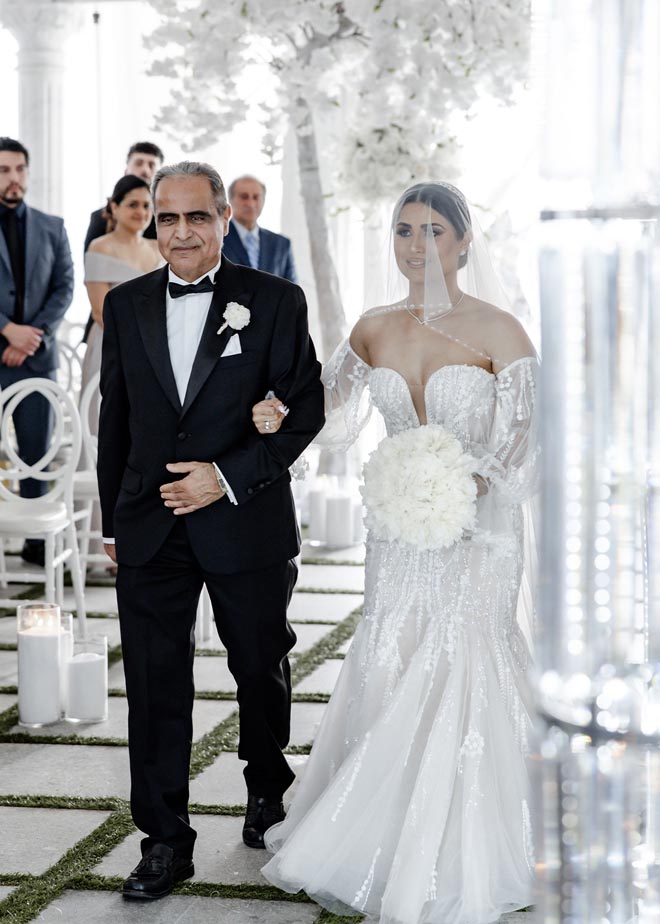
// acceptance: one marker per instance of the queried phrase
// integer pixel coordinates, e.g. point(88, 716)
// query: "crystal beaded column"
point(599, 614)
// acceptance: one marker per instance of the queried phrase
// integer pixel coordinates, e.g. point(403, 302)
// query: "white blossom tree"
point(392, 79)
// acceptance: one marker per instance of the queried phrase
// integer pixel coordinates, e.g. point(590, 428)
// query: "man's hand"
point(13, 357)
point(110, 551)
point(23, 337)
point(198, 489)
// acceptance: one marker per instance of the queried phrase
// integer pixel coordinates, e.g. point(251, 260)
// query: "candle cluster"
point(334, 516)
point(58, 676)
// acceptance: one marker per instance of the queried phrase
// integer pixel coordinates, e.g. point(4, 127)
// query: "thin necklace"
point(435, 317)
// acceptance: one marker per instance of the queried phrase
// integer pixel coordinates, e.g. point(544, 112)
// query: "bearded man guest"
point(247, 242)
point(36, 288)
point(192, 495)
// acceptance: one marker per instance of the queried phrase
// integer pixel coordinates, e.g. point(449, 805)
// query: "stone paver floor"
point(66, 836)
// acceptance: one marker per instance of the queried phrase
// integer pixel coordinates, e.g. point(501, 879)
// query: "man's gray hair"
point(246, 176)
point(194, 168)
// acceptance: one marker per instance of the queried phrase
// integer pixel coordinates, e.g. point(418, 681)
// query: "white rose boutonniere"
point(236, 316)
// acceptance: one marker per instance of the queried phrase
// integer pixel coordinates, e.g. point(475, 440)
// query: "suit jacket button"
point(181, 436)
point(250, 490)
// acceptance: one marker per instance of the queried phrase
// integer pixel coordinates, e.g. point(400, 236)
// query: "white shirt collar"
point(243, 231)
point(174, 278)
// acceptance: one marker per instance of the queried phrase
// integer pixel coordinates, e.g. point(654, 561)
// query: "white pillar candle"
point(339, 521)
point(66, 653)
point(39, 675)
point(87, 687)
point(317, 499)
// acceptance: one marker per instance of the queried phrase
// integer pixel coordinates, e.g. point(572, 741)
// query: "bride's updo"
point(443, 198)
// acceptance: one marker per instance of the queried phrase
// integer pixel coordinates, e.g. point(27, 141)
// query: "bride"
point(413, 808)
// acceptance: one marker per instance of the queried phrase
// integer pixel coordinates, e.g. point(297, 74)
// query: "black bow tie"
point(204, 285)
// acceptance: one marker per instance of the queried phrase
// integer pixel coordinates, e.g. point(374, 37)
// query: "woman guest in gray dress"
point(116, 257)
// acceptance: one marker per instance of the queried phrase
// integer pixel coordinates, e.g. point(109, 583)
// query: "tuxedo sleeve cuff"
point(224, 484)
point(107, 541)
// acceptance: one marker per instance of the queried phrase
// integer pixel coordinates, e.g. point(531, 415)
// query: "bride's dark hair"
point(443, 198)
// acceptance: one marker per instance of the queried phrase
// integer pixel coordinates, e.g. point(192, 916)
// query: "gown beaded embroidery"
point(413, 807)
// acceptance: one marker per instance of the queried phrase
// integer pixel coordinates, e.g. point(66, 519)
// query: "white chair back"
point(64, 449)
point(69, 371)
point(89, 410)
point(71, 332)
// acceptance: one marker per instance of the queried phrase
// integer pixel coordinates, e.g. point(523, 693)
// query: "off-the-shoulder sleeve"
point(347, 405)
point(100, 267)
point(510, 464)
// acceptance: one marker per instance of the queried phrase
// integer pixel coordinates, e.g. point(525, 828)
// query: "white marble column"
point(42, 29)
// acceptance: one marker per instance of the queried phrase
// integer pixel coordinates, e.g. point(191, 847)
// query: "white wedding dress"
point(413, 808)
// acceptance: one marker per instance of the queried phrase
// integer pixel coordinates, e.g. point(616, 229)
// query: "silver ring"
point(267, 425)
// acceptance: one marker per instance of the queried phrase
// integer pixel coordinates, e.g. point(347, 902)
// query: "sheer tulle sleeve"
point(511, 460)
point(347, 406)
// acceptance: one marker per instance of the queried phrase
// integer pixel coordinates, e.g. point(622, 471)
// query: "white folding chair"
point(85, 482)
point(51, 516)
point(69, 371)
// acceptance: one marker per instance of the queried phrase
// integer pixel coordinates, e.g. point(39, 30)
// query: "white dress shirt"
point(186, 317)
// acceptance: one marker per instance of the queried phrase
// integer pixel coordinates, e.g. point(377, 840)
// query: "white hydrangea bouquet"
point(418, 488)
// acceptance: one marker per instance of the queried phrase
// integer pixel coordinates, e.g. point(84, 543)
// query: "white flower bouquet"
point(418, 488)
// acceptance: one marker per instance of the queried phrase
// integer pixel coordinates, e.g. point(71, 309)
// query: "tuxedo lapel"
point(151, 313)
point(229, 288)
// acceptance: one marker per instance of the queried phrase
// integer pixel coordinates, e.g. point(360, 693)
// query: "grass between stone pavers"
point(8, 719)
point(310, 698)
point(327, 590)
point(326, 917)
point(14, 879)
point(93, 741)
point(331, 561)
point(199, 889)
point(30, 898)
point(199, 808)
point(86, 803)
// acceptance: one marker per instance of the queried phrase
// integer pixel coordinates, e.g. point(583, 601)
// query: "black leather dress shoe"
point(157, 873)
point(261, 815)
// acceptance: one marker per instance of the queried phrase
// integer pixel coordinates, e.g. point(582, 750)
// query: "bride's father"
point(191, 494)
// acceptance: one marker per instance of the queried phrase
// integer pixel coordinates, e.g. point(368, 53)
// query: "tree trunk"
point(331, 312)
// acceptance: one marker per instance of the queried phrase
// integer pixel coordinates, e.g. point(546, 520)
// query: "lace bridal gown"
point(413, 808)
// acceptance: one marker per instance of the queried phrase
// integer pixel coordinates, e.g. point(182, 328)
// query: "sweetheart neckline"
point(436, 371)
point(428, 381)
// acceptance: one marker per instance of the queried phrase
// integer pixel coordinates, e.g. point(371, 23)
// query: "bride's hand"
point(267, 415)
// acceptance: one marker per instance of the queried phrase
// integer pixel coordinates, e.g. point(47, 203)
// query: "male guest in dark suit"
point(191, 494)
point(36, 288)
point(143, 159)
point(247, 243)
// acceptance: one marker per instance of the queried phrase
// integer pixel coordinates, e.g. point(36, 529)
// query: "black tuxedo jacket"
point(143, 425)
